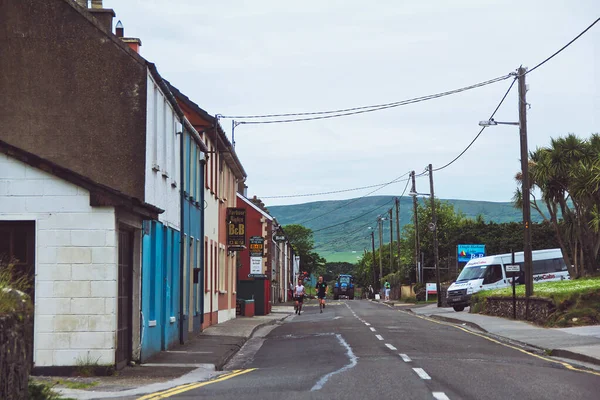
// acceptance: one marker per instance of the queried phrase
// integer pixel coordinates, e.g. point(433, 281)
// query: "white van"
point(489, 272)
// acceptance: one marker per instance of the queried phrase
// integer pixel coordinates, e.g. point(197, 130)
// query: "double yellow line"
point(184, 388)
point(564, 364)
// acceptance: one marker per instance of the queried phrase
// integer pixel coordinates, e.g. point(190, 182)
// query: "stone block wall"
point(75, 264)
point(540, 309)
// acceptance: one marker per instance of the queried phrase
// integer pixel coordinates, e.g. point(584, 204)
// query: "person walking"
point(387, 287)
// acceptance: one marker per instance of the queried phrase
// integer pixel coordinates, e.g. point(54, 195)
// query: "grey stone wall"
point(540, 309)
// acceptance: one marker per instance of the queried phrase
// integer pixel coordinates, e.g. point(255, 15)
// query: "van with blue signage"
point(486, 273)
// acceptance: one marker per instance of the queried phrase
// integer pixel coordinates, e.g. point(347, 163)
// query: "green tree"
point(567, 173)
point(303, 243)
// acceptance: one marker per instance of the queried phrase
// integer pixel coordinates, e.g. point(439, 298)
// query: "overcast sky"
point(262, 57)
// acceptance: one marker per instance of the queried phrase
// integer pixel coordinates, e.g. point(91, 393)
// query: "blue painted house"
point(172, 246)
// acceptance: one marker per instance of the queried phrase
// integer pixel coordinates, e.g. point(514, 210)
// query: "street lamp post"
point(527, 251)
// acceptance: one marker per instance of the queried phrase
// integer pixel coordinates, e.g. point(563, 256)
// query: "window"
point(207, 167)
point(154, 141)
point(216, 266)
point(186, 251)
point(198, 265)
point(199, 175)
point(193, 168)
point(493, 274)
point(185, 184)
point(222, 270)
point(206, 264)
point(174, 151)
point(165, 134)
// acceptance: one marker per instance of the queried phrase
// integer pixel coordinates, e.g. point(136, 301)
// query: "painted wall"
point(75, 265)
point(193, 211)
point(160, 288)
point(227, 261)
point(211, 235)
point(257, 224)
point(162, 155)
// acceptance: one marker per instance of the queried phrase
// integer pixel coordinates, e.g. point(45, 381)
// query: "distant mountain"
point(353, 237)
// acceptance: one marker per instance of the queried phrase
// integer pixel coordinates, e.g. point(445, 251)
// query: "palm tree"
point(567, 173)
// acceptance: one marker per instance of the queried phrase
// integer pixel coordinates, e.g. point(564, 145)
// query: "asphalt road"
point(364, 350)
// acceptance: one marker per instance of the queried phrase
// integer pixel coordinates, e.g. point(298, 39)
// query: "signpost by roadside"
point(515, 269)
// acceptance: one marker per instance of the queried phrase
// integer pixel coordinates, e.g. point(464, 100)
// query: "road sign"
point(513, 268)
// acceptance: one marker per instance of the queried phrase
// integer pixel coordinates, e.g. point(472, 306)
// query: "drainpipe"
point(202, 255)
point(182, 230)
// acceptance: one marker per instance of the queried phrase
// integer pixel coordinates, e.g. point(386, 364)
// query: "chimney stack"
point(119, 31)
point(103, 15)
point(133, 43)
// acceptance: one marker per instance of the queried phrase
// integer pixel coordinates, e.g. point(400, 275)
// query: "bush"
point(42, 391)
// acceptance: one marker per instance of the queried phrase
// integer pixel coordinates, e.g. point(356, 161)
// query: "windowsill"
point(222, 291)
point(165, 174)
point(172, 320)
point(155, 167)
point(152, 324)
point(174, 184)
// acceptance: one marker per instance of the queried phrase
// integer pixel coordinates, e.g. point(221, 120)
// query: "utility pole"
point(436, 260)
point(398, 229)
point(380, 225)
point(525, 186)
point(373, 260)
point(416, 219)
point(391, 241)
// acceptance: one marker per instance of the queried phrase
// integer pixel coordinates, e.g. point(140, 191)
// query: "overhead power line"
point(347, 238)
point(562, 48)
point(311, 116)
point(324, 193)
point(480, 131)
point(352, 219)
point(354, 200)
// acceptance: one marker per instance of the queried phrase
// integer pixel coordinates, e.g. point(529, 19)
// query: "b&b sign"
point(236, 229)
point(466, 252)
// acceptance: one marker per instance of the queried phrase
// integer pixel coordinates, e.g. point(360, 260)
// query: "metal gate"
point(125, 299)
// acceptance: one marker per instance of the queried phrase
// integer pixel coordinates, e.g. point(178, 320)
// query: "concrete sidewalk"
point(581, 343)
point(199, 359)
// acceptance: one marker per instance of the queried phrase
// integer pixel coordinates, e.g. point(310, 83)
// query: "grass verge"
point(577, 301)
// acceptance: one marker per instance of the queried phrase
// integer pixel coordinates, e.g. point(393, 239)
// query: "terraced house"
point(103, 190)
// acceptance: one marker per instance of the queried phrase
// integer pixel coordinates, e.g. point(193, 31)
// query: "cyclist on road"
point(299, 294)
point(321, 292)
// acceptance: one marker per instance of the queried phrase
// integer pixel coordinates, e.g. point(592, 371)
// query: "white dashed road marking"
point(372, 329)
point(440, 396)
point(422, 374)
point(379, 337)
point(367, 324)
point(389, 346)
point(405, 358)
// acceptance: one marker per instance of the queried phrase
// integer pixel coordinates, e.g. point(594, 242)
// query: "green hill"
point(347, 241)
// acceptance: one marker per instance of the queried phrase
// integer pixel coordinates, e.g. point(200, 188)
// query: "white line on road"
point(389, 346)
point(372, 329)
point(405, 358)
point(379, 337)
point(367, 324)
point(353, 362)
point(422, 374)
point(440, 396)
